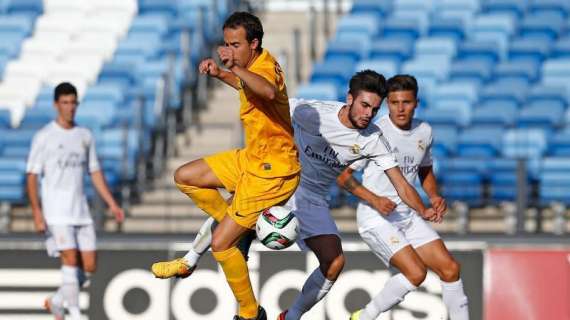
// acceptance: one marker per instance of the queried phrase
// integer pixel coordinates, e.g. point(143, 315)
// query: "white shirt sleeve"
point(92, 157)
point(36, 158)
point(427, 161)
point(380, 153)
point(359, 164)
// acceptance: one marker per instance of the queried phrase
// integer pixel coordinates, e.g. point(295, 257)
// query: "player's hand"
point(226, 56)
point(430, 215)
point(209, 67)
point(439, 205)
point(39, 223)
point(383, 205)
point(118, 213)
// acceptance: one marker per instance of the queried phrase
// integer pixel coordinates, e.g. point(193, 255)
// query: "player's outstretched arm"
point(429, 184)
point(32, 186)
point(256, 83)
point(211, 68)
point(346, 181)
point(101, 186)
point(409, 195)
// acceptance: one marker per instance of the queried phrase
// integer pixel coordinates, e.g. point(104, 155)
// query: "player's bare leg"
point(413, 273)
point(437, 258)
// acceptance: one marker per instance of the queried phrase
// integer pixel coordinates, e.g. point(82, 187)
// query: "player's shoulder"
point(302, 107)
point(421, 126)
point(45, 131)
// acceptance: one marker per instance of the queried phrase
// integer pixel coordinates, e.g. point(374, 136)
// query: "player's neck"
point(65, 124)
point(253, 58)
point(405, 127)
point(343, 116)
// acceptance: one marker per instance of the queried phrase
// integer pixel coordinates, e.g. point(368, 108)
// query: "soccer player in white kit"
point(331, 136)
point(395, 232)
point(60, 154)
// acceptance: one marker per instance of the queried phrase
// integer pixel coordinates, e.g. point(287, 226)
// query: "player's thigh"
point(227, 234)
point(197, 173)
point(69, 257)
point(328, 249)
point(410, 265)
point(437, 258)
point(86, 244)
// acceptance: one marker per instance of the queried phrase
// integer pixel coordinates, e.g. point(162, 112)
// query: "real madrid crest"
point(421, 145)
point(355, 149)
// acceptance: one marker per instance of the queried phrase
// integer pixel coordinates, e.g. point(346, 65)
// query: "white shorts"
point(312, 211)
point(65, 237)
point(385, 238)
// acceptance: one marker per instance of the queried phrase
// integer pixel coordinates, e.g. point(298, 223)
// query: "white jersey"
point(326, 146)
point(413, 150)
point(60, 157)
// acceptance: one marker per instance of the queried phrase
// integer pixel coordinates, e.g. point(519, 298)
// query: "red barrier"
point(527, 284)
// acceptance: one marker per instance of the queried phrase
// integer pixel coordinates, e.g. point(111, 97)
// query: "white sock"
point(201, 243)
point(455, 299)
point(315, 288)
point(70, 290)
point(394, 291)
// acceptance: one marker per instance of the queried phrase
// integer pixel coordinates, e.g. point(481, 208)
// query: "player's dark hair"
point(251, 24)
point(64, 88)
point(403, 82)
point(369, 81)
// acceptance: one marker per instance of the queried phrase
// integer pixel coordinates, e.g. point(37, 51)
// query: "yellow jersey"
point(269, 144)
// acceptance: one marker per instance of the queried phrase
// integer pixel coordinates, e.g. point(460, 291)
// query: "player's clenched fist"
point(384, 205)
point(209, 67)
point(226, 56)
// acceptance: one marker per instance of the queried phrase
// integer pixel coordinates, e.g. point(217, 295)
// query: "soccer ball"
point(277, 227)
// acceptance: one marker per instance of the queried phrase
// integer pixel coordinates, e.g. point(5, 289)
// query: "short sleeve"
point(93, 161)
point(359, 165)
point(36, 158)
point(427, 160)
point(380, 153)
point(267, 71)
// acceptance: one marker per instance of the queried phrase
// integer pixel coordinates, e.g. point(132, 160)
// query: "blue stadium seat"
point(547, 93)
point(13, 184)
point(401, 28)
point(356, 49)
point(358, 24)
point(16, 24)
point(118, 74)
point(526, 71)
point(394, 49)
point(557, 7)
point(541, 115)
point(514, 7)
point(559, 144)
point(447, 27)
point(380, 8)
point(152, 23)
point(456, 91)
point(444, 141)
point(101, 113)
point(455, 113)
point(504, 91)
point(542, 26)
point(163, 7)
point(487, 51)
point(435, 46)
point(386, 67)
point(480, 142)
point(493, 24)
point(495, 114)
point(36, 118)
point(5, 119)
point(318, 91)
point(465, 187)
point(32, 8)
point(535, 50)
point(556, 72)
point(458, 5)
point(554, 179)
point(524, 143)
point(334, 70)
point(561, 49)
point(474, 71)
point(464, 165)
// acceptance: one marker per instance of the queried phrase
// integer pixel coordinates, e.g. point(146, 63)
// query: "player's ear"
point(254, 44)
point(349, 99)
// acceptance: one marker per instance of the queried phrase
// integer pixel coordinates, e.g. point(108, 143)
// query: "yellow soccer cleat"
point(175, 268)
point(355, 315)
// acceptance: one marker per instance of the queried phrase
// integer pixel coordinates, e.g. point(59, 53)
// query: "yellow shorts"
point(252, 194)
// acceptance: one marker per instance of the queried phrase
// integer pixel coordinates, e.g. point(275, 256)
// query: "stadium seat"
point(557, 94)
point(516, 8)
point(524, 143)
point(542, 26)
point(554, 180)
point(464, 187)
point(559, 144)
point(32, 8)
point(397, 50)
point(557, 7)
point(447, 27)
point(473, 71)
point(480, 141)
point(556, 72)
point(334, 70)
point(355, 49)
point(495, 114)
point(454, 113)
point(535, 50)
point(318, 91)
point(36, 118)
point(456, 91)
point(444, 141)
point(526, 71)
point(386, 67)
point(380, 8)
point(426, 47)
point(358, 24)
point(541, 115)
point(504, 91)
point(486, 51)
point(401, 28)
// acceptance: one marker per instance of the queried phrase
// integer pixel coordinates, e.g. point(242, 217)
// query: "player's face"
point(236, 40)
point(402, 105)
point(363, 108)
point(66, 106)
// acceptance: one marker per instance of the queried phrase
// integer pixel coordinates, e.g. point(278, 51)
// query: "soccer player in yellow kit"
point(263, 174)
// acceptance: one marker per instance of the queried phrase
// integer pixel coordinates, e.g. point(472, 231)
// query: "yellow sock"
point(237, 275)
point(209, 200)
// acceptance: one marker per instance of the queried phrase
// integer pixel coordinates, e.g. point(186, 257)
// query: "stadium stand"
point(494, 83)
point(132, 62)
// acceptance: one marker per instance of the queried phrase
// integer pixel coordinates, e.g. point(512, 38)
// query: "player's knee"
point(451, 271)
point(416, 276)
point(332, 268)
point(219, 243)
point(69, 258)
